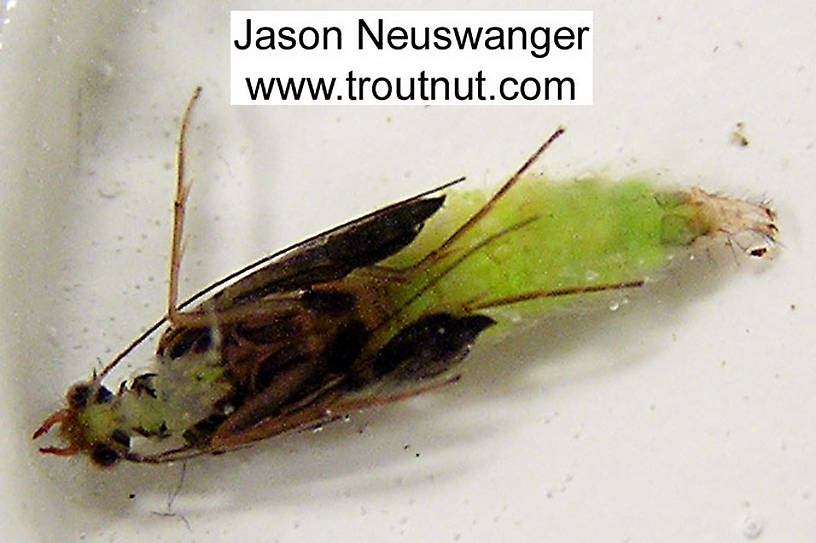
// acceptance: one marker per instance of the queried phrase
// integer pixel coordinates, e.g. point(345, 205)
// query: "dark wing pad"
point(429, 346)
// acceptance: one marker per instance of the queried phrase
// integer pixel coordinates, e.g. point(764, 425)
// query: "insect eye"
point(78, 395)
point(104, 456)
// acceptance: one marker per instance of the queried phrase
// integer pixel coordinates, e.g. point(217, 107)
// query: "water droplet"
point(614, 305)
point(752, 527)
point(317, 429)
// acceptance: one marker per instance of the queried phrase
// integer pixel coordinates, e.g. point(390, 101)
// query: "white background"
point(407, 63)
point(687, 415)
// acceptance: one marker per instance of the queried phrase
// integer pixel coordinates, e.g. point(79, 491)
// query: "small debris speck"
point(738, 136)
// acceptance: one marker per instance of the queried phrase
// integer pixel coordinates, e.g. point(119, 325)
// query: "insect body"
point(372, 312)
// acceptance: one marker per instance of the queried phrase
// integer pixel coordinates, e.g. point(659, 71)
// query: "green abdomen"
point(544, 237)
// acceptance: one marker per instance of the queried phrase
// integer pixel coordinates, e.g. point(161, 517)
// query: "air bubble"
point(752, 527)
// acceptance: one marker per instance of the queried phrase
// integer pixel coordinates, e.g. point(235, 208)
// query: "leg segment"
point(475, 305)
point(440, 251)
point(182, 192)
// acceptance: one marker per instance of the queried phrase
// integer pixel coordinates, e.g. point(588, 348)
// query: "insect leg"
point(182, 192)
point(440, 251)
point(452, 266)
point(537, 294)
point(321, 413)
